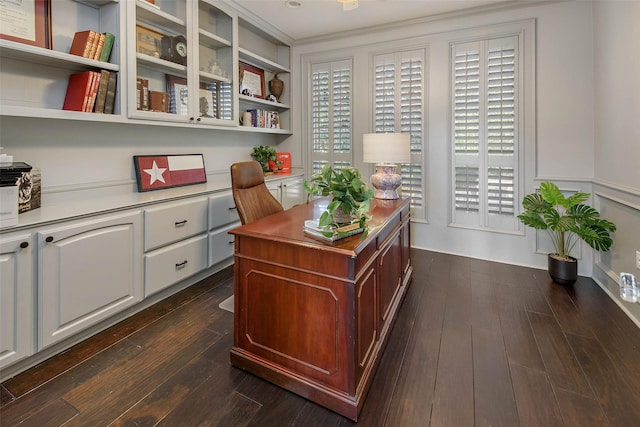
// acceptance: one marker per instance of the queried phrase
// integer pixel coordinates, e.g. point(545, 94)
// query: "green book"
point(108, 45)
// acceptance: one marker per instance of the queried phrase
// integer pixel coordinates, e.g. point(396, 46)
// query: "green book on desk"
point(331, 234)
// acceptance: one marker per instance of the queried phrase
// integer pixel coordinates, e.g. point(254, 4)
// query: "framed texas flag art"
point(154, 172)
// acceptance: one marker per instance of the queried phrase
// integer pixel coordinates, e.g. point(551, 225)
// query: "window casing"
point(331, 114)
point(400, 99)
point(486, 138)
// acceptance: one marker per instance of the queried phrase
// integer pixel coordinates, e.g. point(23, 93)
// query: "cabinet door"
point(389, 268)
point(17, 333)
point(276, 189)
point(292, 192)
point(88, 270)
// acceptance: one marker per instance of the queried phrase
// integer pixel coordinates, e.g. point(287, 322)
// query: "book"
point(331, 234)
point(99, 46)
point(109, 40)
point(110, 102)
point(101, 97)
point(94, 92)
point(142, 93)
point(82, 43)
point(78, 91)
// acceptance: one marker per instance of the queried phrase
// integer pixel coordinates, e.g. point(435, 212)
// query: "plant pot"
point(562, 272)
point(341, 217)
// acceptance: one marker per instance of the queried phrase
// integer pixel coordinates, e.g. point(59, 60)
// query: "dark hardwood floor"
point(475, 343)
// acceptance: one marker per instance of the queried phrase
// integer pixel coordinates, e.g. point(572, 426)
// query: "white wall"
point(559, 144)
point(617, 138)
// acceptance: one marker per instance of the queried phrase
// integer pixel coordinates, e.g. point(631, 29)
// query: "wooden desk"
point(313, 316)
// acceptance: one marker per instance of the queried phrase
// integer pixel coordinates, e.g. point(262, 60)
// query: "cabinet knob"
point(24, 245)
point(199, 119)
point(49, 239)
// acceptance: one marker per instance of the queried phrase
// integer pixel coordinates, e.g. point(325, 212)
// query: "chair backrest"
point(251, 195)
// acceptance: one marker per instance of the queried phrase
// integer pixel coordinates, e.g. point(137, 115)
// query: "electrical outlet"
point(638, 260)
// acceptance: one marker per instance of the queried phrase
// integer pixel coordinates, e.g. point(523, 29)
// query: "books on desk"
point(331, 234)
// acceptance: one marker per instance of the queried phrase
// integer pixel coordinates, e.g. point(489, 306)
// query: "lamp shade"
point(386, 148)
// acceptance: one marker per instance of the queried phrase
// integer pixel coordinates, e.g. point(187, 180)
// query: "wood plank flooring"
point(476, 343)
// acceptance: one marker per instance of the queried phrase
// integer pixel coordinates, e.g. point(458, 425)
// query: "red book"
point(285, 163)
point(95, 83)
point(78, 91)
point(82, 43)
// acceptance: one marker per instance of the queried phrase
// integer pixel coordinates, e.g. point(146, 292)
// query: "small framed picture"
point(251, 80)
point(148, 41)
point(155, 172)
point(27, 22)
point(178, 95)
point(206, 103)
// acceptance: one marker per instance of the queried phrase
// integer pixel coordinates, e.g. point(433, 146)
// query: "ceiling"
point(314, 18)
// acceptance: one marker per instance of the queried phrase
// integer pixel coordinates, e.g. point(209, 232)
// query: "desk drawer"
point(222, 210)
point(166, 266)
point(172, 222)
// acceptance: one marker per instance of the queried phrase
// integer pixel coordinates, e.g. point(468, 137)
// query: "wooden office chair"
point(253, 198)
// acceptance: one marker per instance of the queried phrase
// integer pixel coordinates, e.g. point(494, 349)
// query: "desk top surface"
point(288, 226)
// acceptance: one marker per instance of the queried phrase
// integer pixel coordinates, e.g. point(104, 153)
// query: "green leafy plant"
point(262, 154)
point(347, 190)
point(566, 219)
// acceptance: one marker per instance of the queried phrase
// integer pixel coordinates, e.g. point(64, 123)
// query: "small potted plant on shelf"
point(350, 196)
point(262, 154)
point(567, 220)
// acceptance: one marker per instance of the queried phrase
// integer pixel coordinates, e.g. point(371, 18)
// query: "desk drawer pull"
point(181, 265)
point(180, 223)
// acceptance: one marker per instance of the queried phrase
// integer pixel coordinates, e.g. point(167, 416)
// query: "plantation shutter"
point(485, 133)
point(331, 127)
point(399, 93)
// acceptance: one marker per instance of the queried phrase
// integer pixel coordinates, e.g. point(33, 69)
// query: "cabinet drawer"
point(222, 210)
point(173, 222)
point(221, 244)
point(166, 266)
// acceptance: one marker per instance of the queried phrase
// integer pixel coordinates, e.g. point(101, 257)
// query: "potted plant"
point(350, 196)
point(567, 220)
point(262, 154)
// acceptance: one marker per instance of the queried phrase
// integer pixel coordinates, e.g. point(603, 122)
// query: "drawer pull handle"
point(49, 239)
point(230, 242)
point(233, 208)
point(24, 245)
point(181, 265)
point(180, 223)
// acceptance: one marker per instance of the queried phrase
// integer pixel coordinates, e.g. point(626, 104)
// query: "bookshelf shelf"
point(48, 57)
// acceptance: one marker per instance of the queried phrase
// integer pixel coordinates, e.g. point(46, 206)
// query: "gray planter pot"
point(563, 272)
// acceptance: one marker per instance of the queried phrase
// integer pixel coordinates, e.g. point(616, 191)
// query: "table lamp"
point(386, 150)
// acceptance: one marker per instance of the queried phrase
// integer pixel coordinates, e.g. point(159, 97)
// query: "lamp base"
point(386, 182)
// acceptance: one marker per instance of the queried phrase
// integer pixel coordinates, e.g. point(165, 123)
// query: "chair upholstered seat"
point(250, 193)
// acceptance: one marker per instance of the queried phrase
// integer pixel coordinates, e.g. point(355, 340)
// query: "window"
point(486, 141)
point(399, 107)
point(331, 132)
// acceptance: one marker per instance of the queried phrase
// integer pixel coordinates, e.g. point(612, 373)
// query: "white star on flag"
point(156, 173)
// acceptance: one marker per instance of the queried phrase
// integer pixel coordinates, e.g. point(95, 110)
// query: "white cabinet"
point(33, 80)
point(87, 271)
point(17, 314)
point(175, 242)
point(223, 216)
point(181, 62)
point(289, 191)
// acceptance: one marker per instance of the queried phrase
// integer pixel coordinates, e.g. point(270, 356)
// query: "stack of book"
point(92, 45)
point(91, 91)
point(264, 119)
point(329, 233)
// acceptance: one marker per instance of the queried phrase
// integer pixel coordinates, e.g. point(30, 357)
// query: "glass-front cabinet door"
point(183, 62)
